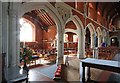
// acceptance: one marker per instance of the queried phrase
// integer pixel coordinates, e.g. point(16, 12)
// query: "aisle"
point(47, 70)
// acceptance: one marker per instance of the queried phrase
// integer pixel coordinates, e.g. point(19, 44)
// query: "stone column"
point(10, 45)
point(18, 44)
point(60, 49)
point(92, 40)
point(103, 39)
point(81, 48)
point(99, 40)
point(5, 36)
point(119, 42)
point(95, 52)
point(12, 35)
point(83, 45)
point(18, 35)
point(109, 41)
point(0, 41)
point(107, 38)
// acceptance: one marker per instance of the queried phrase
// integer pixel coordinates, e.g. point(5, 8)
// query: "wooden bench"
point(104, 52)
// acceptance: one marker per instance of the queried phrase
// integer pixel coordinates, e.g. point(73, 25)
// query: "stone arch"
point(114, 37)
point(91, 27)
point(71, 30)
point(99, 36)
point(56, 17)
point(79, 32)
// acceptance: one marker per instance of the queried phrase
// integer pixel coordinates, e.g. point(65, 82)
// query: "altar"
point(99, 64)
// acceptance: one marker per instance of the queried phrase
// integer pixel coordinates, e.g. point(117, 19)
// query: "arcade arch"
point(80, 33)
point(91, 28)
point(57, 19)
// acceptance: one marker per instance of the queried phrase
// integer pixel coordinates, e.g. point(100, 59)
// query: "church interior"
point(76, 41)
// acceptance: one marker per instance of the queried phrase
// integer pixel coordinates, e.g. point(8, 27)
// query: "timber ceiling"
point(109, 10)
point(41, 17)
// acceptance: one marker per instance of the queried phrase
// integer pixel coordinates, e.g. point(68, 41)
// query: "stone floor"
point(37, 77)
point(74, 72)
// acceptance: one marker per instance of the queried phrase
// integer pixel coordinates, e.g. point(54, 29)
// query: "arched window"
point(75, 38)
point(26, 31)
point(65, 37)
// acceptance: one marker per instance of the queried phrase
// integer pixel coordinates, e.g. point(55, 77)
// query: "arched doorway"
point(114, 41)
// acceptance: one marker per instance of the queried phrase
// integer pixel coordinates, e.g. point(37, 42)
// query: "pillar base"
point(59, 61)
point(14, 74)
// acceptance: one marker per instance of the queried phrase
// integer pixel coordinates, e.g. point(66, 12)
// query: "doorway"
point(114, 42)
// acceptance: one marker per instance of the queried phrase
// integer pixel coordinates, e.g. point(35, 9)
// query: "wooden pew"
point(104, 52)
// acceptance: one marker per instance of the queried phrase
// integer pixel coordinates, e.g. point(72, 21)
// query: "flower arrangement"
point(25, 55)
